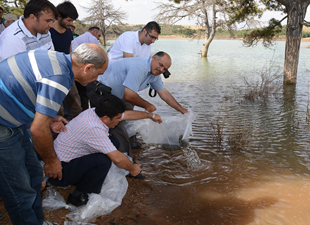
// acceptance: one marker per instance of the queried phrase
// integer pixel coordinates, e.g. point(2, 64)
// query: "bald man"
point(129, 75)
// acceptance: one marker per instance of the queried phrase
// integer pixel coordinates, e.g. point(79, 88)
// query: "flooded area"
point(263, 181)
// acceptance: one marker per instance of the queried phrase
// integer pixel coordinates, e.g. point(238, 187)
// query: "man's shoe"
point(49, 223)
point(139, 176)
point(78, 201)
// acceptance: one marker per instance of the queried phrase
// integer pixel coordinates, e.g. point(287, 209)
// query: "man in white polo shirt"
point(134, 43)
point(91, 36)
point(31, 31)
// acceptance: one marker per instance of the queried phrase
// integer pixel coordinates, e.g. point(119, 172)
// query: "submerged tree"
point(295, 10)
point(209, 14)
point(106, 17)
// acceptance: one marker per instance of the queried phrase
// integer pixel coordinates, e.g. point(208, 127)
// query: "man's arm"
point(170, 100)
point(137, 115)
point(121, 161)
point(43, 142)
point(133, 98)
point(127, 55)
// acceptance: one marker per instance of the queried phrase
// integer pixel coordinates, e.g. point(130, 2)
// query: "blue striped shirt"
point(86, 134)
point(33, 81)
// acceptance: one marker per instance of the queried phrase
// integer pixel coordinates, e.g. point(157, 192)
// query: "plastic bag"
point(168, 132)
point(76, 223)
point(53, 200)
point(112, 192)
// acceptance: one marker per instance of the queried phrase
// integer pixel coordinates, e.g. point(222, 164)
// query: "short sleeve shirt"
point(62, 42)
point(128, 42)
point(17, 38)
point(133, 73)
point(86, 134)
point(33, 81)
point(87, 37)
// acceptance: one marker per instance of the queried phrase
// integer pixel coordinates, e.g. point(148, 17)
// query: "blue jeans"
point(20, 176)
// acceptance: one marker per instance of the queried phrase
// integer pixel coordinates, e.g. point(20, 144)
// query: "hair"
point(159, 54)
point(85, 54)
point(36, 7)
point(152, 26)
point(110, 105)
point(93, 28)
point(1, 8)
point(67, 9)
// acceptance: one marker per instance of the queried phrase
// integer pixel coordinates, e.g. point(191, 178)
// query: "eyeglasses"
point(151, 36)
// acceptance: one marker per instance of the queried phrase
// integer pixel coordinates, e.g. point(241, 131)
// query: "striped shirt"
point(34, 81)
point(17, 38)
point(86, 134)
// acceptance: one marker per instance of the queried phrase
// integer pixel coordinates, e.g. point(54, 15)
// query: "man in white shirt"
point(31, 31)
point(134, 43)
point(91, 36)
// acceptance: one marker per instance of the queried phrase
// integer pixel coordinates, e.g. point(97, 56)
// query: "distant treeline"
point(185, 31)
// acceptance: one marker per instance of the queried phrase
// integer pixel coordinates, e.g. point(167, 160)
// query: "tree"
point(295, 10)
point(209, 14)
point(106, 17)
point(14, 6)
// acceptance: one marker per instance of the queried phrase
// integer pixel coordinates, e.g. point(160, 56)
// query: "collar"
point(149, 60)
point(22, 26)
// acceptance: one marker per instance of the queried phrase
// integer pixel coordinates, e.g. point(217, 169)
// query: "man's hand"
point(57, 124)
point(150, 107)
point(157, 119)
point(135, 170)
point(53, 169)
point(183, 111)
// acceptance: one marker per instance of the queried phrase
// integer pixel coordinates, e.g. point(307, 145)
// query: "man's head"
point(9, 19)
point(88, 62)
point(161, 61)
point(95, 31)
point(67, 14)
point(39, 16)
point(1, 12)
point(150, 32)
point(110, 110)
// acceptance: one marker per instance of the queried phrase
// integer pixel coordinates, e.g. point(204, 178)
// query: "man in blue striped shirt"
point(32, 86)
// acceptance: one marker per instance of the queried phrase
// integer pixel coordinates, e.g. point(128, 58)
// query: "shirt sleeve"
point(134, 78)
point(127, 44)
point(158, 84)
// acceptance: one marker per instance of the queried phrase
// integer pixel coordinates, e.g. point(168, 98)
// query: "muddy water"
point(266, 183)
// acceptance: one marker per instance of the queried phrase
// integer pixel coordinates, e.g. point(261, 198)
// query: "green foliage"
point(15, 7)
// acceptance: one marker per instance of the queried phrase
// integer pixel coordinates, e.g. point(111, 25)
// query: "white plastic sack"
point(113, 190)
point(53, 200)
point(168, 132)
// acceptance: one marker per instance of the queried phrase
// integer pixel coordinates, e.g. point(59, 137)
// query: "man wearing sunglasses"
point(134, 43)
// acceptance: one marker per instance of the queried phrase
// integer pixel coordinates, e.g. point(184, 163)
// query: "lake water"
point(266, 182)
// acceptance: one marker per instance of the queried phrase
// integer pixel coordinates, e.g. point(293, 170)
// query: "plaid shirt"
point(86, 134)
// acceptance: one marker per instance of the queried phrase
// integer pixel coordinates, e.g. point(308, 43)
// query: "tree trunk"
point(209, 35)
point(296, 11)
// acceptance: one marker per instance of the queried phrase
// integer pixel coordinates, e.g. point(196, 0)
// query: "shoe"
point(139, 176)
point(78, 201)
point(136, 145)
point(49, 223)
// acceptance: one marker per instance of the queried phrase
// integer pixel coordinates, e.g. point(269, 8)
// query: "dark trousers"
point(87, 173)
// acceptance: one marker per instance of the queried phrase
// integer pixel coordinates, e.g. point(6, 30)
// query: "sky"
point(143, 11)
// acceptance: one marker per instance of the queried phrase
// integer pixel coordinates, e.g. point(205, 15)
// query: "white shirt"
point(128, 42)
point(87, 37)
point(17, 38)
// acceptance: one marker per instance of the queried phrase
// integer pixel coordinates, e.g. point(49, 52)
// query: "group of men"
point(35, 82)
